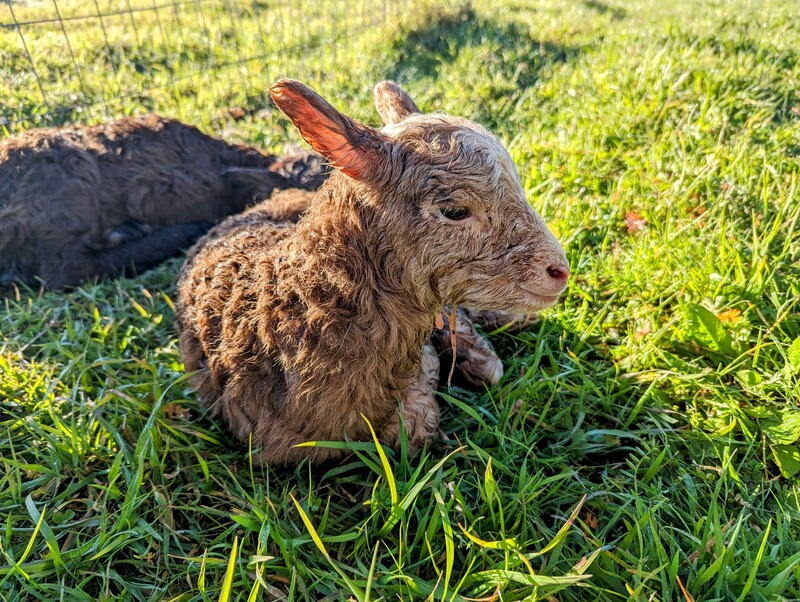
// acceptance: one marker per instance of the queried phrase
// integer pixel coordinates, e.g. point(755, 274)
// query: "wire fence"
point(67, 61)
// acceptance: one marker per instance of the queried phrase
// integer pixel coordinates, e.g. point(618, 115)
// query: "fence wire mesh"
point(66, 61)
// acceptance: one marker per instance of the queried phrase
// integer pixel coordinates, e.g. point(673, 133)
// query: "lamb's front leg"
point(476, 361)
point(419, 408)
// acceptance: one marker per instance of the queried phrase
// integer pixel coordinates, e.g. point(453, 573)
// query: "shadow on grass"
point(583, 405)
point(745, 98)
point(513, 59)
point(615, 12)
point(422, 52)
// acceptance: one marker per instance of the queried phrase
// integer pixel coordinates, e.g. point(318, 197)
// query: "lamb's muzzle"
point(295, 331)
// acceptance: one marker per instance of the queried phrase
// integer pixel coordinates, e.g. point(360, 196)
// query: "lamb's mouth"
point(542, 301)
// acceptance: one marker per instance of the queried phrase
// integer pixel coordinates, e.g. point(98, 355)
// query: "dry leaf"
point(438, 321)
point(176, 410)
point(590, 519)
point(516, 407)
point(634, 222)
point(730, 315)
point(236, 113)
point(711, 541)
point(453, 345)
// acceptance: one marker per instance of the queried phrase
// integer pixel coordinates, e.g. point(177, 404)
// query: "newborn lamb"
point(84, 201)
point(296, 330)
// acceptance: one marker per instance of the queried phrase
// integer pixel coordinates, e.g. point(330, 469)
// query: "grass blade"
point(387, 468)
point(357, 592)
point(227, 581)
point(756, 563)
point(448, 541)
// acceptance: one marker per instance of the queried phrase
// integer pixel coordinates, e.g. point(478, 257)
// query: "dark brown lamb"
point(85, 201)
point(297, 330)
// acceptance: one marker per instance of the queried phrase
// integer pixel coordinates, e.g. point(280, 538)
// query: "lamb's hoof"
point(127, 232)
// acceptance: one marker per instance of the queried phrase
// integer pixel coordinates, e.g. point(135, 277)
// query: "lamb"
point(299, 325)
point(81, 202)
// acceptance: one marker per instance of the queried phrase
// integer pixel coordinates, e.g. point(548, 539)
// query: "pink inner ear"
point(346, 143)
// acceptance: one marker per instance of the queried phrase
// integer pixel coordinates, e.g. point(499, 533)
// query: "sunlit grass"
point(644, 442)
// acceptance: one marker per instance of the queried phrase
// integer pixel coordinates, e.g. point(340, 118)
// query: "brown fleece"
point(296, 330)
point(84, 201)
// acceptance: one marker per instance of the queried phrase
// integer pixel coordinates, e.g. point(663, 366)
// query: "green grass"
point(644, 442)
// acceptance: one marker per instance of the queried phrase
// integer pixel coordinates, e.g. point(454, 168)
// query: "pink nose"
point(558, 272)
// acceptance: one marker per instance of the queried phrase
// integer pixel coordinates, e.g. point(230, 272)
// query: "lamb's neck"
point(355, 285)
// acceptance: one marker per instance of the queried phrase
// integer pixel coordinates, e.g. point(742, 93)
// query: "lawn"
point(643, 444)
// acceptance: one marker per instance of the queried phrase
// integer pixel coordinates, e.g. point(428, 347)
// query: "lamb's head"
point(445, 194)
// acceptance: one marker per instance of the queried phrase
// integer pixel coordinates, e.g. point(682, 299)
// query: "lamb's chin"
point(515, 301)
point(537, 301)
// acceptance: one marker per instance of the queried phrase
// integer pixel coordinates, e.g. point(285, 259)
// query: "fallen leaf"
point(453, 327)
point(176, 410)
point(439, 321)
point(730, 315)
point(634, 222)
point(236, 113)
point(516, 407)
point(710, 542)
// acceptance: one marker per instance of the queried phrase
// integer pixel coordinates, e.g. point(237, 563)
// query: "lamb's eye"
point(455, 213)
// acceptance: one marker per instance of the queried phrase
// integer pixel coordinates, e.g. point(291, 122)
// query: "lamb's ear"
point(392, 102)
point(353, 148)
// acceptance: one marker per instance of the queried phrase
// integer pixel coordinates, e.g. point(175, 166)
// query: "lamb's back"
point(150, 168)
point(225, 295)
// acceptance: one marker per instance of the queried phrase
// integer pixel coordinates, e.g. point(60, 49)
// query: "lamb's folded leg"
point(419, 408)
point(476, 360)
point(124, 233)
point(63, 268)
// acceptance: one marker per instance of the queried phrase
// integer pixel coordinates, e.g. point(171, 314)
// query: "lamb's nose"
point(558, 272)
